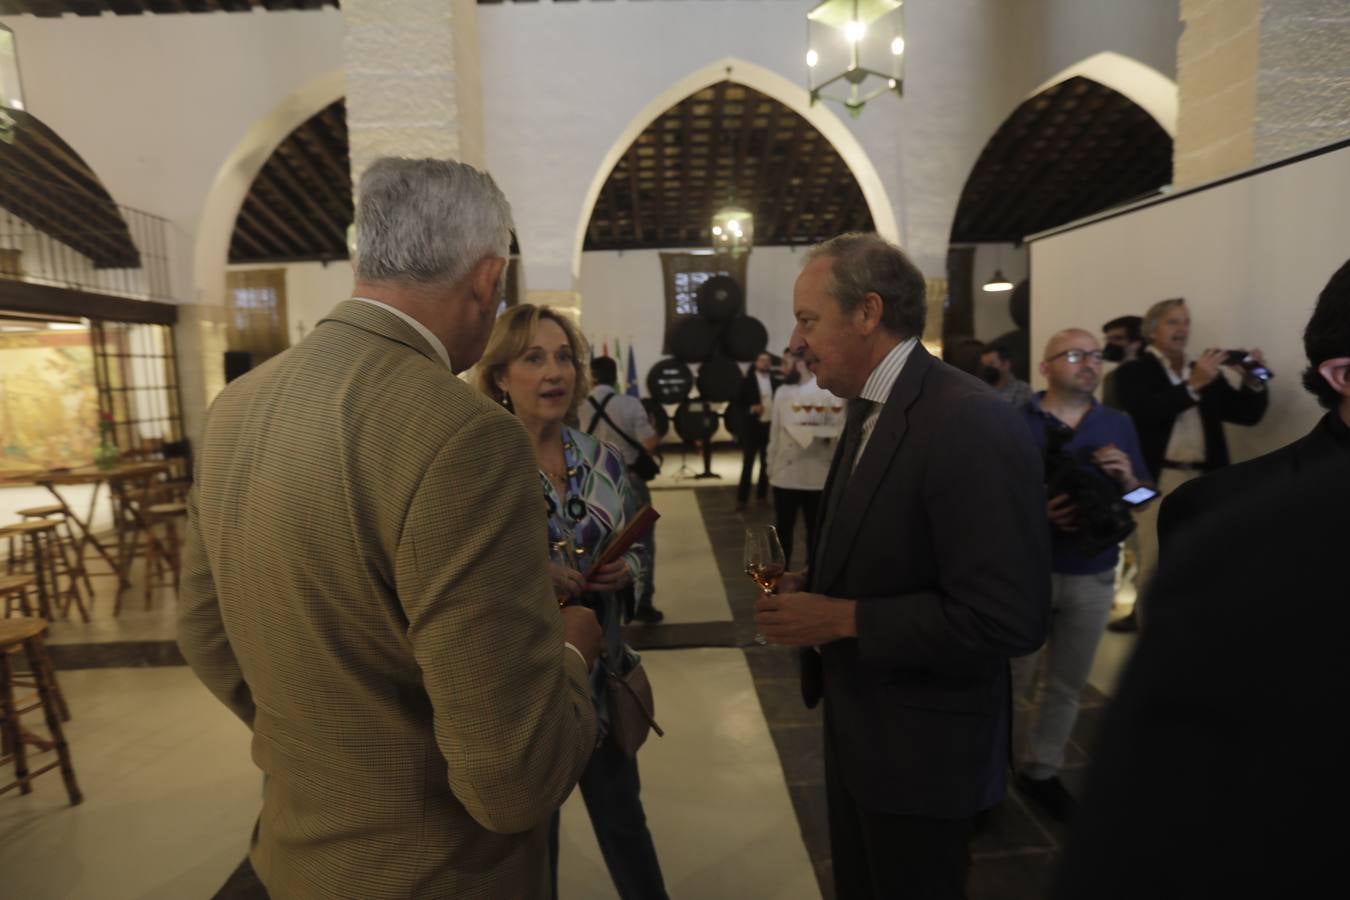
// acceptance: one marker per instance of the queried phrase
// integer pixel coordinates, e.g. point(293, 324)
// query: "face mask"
point(1113, 353)
point(990, 374)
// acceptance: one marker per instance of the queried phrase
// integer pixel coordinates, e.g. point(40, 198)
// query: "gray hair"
point(1156, 312)
point(868, 263)
point(428, 220)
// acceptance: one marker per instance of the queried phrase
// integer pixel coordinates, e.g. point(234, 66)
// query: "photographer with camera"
point(1179, 410)
point(1093, 465)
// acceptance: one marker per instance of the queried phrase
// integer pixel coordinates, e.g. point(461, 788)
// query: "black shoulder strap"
point(601, 414)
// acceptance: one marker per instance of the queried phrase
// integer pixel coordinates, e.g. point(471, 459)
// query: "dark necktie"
point(858, 411)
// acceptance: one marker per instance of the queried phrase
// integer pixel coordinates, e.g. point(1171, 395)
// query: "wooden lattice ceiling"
point(300, 204)
point(726, 144)
point(44, 182)
point(1074, 149)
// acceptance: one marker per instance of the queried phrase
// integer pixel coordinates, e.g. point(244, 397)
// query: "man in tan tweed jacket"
point(365, 579)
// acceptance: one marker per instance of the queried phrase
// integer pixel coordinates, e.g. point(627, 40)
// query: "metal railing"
point(53, 235)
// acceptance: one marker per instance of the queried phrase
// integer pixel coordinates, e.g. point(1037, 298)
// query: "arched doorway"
point(1074, 148)
point(772, 85)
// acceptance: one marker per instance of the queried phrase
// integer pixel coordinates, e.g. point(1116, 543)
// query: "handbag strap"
point(623, 683)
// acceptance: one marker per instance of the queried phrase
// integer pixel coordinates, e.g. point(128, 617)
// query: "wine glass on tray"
point(763, 561)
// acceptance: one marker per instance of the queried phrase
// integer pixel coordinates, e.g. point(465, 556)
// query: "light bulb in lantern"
point(897, 46)
point(717, 229)
point(854, 31)
point(812, 57)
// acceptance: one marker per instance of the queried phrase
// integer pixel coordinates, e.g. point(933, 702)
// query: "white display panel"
point(1249, 256)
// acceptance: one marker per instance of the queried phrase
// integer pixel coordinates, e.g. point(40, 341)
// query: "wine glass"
point(562, 552)
point(763, 561)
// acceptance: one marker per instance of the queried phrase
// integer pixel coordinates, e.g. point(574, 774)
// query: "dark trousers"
point(786, 502)
point(756, 443)
point(879, 856)
point(611, 789)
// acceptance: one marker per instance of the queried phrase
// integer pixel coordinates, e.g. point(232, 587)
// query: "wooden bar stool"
point(14, 590)
point(71, 548)
point(162, 555)
point(16, 552)
point(26, 635)
point(46, 552)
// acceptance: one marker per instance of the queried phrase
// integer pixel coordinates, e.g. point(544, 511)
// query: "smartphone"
point(1140, 495)
point(1241, 359)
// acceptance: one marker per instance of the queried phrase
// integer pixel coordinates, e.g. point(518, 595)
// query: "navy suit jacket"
point(942, 539)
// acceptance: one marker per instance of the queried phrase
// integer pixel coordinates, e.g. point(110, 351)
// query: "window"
point(138, 384)
point(684, 272)
point(255, 303)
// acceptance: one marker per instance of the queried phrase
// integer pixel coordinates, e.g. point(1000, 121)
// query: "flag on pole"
point(632, 373)
point(618, 355)
point(604, 347)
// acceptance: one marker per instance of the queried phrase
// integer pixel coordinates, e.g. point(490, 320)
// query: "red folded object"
point(638, 528)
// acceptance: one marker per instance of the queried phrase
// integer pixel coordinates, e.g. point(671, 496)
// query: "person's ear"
point(485, 280)
point(1337, 373)
point(869, 312)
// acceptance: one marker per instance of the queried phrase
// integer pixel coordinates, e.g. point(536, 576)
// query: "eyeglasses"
point(1077, 356)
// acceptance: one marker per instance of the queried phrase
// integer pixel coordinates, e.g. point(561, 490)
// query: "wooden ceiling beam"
point(686, 159)
point(804, 193)
point(261, 210)
point(279, 201)
point(337, 191)
point(259, 251)
point(635, 194)
point(96, 208)
point(279, 167)
point(66, 226)
point(785, 179)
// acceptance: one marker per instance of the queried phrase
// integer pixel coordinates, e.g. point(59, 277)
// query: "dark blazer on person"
point(1220, 755)
point(942, 540)
point(1145, 391)
point(1326, 445)
point(748, 395)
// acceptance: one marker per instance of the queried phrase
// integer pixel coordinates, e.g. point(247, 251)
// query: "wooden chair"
point(163, 561)
point(71, 557)
point(49, 560)
point(25, 635)
point(14, 590)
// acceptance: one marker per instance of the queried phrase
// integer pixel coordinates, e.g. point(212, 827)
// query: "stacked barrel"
point(708, 349)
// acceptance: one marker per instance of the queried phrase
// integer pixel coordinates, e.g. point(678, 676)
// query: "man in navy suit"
point(932, 570)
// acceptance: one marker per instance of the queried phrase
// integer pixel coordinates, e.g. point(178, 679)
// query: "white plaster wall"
point(1250, 258)
point(154, 104)
point(1145, 30)
point(625, 298)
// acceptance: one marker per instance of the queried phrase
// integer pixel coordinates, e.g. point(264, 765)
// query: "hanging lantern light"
point(733, 230)
point(862, 43)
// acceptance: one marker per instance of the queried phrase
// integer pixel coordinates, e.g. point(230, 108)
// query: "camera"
point(1104, 518)
point(1243, 360)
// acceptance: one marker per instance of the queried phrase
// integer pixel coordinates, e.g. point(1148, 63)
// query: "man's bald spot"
point(1059, 341)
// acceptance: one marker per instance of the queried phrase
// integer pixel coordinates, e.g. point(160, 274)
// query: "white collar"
point(878, 385)
point(421, 329)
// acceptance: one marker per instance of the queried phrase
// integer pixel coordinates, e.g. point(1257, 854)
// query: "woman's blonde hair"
point(510, 338)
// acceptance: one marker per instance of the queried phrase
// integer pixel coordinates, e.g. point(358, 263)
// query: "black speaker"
point(237, 362)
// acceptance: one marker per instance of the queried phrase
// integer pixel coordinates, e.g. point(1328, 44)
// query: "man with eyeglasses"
point(1082, 582)
point(1179, 410)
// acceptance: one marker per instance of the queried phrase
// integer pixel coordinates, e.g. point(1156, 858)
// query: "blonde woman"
point(536, 366)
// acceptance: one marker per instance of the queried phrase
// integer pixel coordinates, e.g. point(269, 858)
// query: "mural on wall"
point(48, 401)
